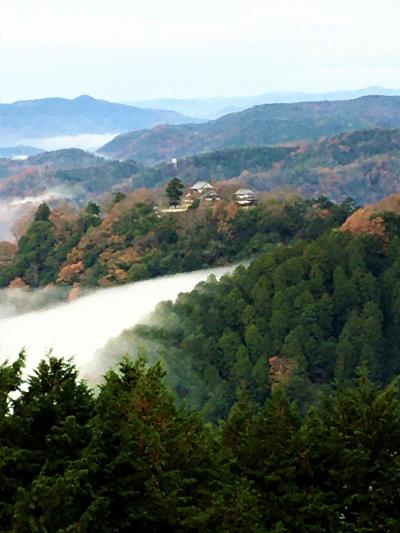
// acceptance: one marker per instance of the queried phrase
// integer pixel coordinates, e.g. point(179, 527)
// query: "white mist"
point(80, 328)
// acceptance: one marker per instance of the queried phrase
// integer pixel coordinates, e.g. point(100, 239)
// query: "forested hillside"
point(212, 166)
point(260, 125)
point(363, 164)
point(132, 241)
point(305, 315)
point(82, 174)
point(71, 172)
point(67, 158)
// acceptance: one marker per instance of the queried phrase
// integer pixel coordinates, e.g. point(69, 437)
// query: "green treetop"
point(174, 191)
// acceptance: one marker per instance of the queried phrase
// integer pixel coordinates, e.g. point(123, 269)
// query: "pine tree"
point(42, 213)
point(352, 440)
point(153, 464)
point(174, 191)
point(269, 457)
point(46, 434)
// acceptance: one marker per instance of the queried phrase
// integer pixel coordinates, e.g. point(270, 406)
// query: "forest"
point(267, 401)
point(126, 457)
point(131, 241)
point(257, 126)
point(305, 315)
point(361, 164)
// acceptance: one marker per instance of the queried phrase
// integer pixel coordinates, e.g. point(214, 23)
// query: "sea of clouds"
point(81, 328)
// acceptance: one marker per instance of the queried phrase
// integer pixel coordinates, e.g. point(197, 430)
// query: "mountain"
point(129, 240)
point(73, 171)
point(66, 158)
point(264, 124)
point(59, 116)
point(70, 158)
point(211, 108)
point(84, 173)
point(211, 166)
point(19, 152)
point(267, 400)
point(364, 165)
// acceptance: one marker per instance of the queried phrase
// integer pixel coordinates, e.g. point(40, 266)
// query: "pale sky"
point(131, 49)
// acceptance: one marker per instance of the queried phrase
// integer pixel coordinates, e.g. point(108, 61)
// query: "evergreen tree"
point(352, 439)
point(42, 213)
point(269, 459)
point(153, 464)
point(118, 197)
point(42, 440)
point(174, 191)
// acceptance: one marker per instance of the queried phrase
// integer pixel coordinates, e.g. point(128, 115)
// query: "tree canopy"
point(128, 458)
point(174, 191)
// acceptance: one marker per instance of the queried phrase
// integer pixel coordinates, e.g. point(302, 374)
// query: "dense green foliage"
point(99, 178)
point(320, 309)
point(42, 250)
point(209, 438)
point(174, 191)
point(260, 125)
point(139, 243)
point(214, 166)
point(129, 459)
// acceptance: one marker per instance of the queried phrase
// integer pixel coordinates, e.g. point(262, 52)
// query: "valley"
point(227, 300)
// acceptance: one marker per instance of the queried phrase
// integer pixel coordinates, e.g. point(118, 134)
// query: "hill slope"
point(131, 241)
point(363, 164)
point(59, 116)
point(73, 171)
point(66, 158)
point(302, 315)
point(265, 124)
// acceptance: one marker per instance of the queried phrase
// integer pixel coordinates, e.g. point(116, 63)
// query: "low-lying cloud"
point(80, 328)
point(13, 210)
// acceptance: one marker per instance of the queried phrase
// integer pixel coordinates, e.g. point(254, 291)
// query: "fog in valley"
point(13, 210)
point(84, 141)
point(80, 328)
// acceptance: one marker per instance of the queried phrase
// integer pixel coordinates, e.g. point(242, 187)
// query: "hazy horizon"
point(215, 96)
point(152, 50)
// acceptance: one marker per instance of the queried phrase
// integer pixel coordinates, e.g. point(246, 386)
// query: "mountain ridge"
point(267, 124)
point(48, 117)
point(215, 107)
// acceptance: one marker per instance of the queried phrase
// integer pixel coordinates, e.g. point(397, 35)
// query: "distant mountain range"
point(18, 151)
point(59, 116)
point(267, 124)
point(210, 108)
point(363, 164)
